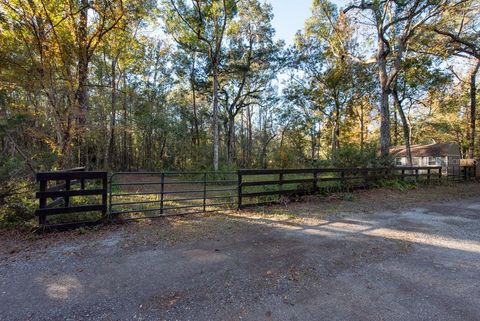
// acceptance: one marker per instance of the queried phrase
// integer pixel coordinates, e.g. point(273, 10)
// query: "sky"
point(290, 15)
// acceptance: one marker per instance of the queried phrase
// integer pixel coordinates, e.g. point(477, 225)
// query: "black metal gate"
point(137, 195)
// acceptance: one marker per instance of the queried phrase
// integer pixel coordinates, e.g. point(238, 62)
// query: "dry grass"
point(368, 201)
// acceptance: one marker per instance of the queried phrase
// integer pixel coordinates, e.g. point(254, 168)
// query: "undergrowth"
point(397, 184)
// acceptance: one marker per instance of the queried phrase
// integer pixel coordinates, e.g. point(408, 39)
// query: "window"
point(398, 161)
point(433, 161)
point(415, 161)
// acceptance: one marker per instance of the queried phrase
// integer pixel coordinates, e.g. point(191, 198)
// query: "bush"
point(397, 184)
point(17, 195)
point(350, 155)
point(17, 205)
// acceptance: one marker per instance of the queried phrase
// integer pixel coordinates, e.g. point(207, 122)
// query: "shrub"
point(397, 184)
point(17, 205)
point(17, 199)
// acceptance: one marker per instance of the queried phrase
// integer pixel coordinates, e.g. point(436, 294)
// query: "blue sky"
point(290, 16)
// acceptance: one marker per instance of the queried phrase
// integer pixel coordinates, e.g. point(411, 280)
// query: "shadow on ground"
point(420, 263)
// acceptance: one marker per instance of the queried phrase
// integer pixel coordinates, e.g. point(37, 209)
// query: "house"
point(446, 155)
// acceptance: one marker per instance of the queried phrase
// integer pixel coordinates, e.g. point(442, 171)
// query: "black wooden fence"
point(63, 190)
point(133, 195)
point(258, 185)
point(467, 172)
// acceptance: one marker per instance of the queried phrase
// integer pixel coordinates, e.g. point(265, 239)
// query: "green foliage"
point(397, 184)
point(350, 155)
point(17, 201)
point(349, 197)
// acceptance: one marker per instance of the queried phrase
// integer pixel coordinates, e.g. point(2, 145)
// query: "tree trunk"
point(395, 125)
point(362, 129)
point(313, 141)
point(82, 90)
point(242, 138)
point(194, 102)
point(407, 129)
point(384, 109)
point(336, 127)
point(281, 151)
point(473, 109)
point(111, 143)
point(230, 138)
point(216, 142)
point(126, 162)
point(382, 54)
point(249, 136)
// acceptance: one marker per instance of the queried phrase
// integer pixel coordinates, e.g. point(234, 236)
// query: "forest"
point(203, 84)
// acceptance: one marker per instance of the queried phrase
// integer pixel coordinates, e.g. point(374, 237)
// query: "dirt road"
point(417, 263)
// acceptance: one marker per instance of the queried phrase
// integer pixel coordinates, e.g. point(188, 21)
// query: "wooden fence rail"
point(468, 172)
point(61, 193)
point(352, 177)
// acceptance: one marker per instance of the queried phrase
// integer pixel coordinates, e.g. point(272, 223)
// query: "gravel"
point(417, 262)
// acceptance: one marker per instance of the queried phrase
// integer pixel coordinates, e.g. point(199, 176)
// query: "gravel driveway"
point(418, 263)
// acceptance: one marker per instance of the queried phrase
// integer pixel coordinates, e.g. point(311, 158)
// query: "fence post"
point(239, 190)
point(417, 177)
point(280, 184)
point(43, 203)
point(440, 174)
point(205, 191)
point(315, 180)
point(66, 199)
point(110, 206)
point(162, 191)
point(428, 175)
point(104, 194)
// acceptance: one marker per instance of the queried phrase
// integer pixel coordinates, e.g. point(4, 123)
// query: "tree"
point(53, 44)
point(201, 26)
point(416, 79)
point(253, 61)
point(328, 80)
point(459, 28)
point(396, 23)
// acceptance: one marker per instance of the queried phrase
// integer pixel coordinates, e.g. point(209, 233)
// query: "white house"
point(446, 155)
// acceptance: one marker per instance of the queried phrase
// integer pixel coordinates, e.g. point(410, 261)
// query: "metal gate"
point(137, 195)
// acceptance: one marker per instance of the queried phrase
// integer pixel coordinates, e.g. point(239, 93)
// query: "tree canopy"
point(189, 84)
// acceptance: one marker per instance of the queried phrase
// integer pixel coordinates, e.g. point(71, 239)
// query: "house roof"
point(434, 150)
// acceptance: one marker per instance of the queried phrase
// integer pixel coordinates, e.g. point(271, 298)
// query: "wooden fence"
point(62, 192)
point(313, 180)
point(468, 172)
